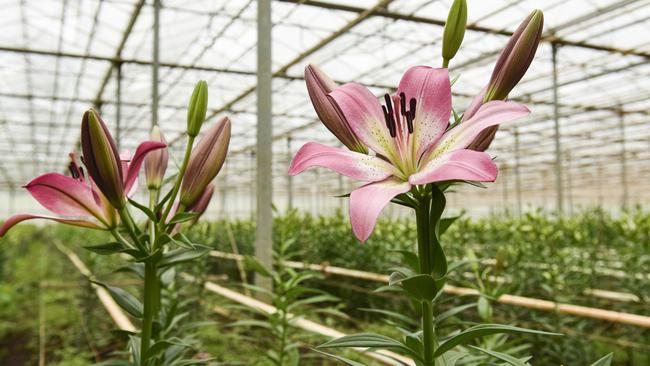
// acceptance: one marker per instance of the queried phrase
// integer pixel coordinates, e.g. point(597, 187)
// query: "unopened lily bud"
point(318, 86)
point(102, 159)
point(155, 164)
point(516, 57)
point(205, 162)
point(454, 30)
point(197, 108)
point(201, 205)
point(511, 66)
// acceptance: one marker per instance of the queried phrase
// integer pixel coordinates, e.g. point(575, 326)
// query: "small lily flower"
point(105, 167)
point(205, 162)
point(410, 140)
point(155, 164)
point(73, 198)
point(318, 86)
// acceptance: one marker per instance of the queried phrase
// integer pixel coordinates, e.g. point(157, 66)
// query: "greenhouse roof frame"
point(590, 61)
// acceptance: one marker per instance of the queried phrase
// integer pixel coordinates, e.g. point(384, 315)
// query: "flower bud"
point(318, 86)
point(516, 57)
point(511, 66)
point(454, 30)
point(205, 162)
point(197, 108)
point(201, 205)
point(155, 164)
point(102, 159)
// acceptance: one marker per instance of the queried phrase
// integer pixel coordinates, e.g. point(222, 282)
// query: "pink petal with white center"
point(15, 219)
point(457, 165)
point(367, 202)
point(432, 92)
point(365, 116)
point(136, 162)
point(64, 195)
point(343, 161)
point(489, 114)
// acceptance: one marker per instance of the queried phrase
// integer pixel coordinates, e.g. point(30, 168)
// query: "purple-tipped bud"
point(516, 57)
point(197, 108)
point(155, 164)
point(205, 162)
point(318, 86)
point(102, 159)
point(511, 66)
point(201, 205)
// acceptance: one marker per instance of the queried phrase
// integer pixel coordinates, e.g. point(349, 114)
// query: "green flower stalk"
point(197, 108)
point(454, 31)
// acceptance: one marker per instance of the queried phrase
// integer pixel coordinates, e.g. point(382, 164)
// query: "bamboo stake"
point(386, 357)
point(120, 319)
point(521, 301)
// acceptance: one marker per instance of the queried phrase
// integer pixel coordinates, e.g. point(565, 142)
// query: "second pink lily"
point(410, 138)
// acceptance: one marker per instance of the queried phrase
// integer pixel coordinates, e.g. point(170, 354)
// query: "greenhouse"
point(325, 182)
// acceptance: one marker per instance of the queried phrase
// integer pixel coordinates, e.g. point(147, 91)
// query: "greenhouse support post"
point(517, 173)
point(118, 103)
point(156, 62)
point(289, 177)
point(264, 227)
point(556, 119)
point(624, 188)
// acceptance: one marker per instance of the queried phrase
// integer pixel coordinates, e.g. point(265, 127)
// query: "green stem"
point(151, 289)
point(153, 200)
point(445, 63)
point(130, 228)
point(179, 177)
point(424, 254)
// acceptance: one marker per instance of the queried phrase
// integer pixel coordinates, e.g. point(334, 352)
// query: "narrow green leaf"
point(144, 209)
point(339, 358)
point(182, 255)
point(452, 312)
point(420, 287)
point(605, 361)
point(257, 266)
point(368, 340)
point(182, 217)
point(501, 356)
point(445, 223)
point(124, 299)
point(482, 330)
point(105, 249)
point(393, 315)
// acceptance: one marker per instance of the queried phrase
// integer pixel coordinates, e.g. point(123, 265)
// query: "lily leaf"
point(105, 249)
point(182, 255)
point(605, 361)
point(510, 360)
point(339, 358)
point(482, 330)
point(124, 299)
point(368, 340)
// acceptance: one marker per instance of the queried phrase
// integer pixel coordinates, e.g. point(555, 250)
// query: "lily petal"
point(476, 103)
point(15, 219)
point(431, 89)
point(64, 195)
point(134, 167)
point(367, 202)
point(489, 114)
point(457, 165)
point(343, 161)
point(365, 116)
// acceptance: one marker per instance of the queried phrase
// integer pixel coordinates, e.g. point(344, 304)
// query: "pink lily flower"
point(78, 201)
point(410, 139)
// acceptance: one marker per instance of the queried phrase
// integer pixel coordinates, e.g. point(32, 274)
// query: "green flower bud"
point(454, 30)
point(197, 108)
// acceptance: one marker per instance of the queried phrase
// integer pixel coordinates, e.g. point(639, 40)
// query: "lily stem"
point(150, 304)
point(179, 178)
point(422, 214)
point(130, 227)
